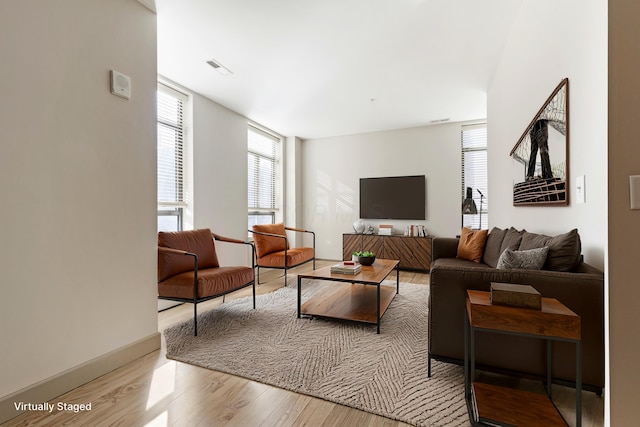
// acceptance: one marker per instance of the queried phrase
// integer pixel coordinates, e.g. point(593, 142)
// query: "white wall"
point(551, 40)
point(220, 176)
point(293, 188)
point(78, 190)
point(332, 168)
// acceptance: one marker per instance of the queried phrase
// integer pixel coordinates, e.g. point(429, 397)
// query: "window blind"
point(474, 173)
point(263, 165)
point(170, 111)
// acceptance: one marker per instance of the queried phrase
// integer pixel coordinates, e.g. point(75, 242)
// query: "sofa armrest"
point(444, 247)
point(568, 287)
point(227, 239)
point(589, 269)
point(163, 251)
point(300, 230)
point(171, 251)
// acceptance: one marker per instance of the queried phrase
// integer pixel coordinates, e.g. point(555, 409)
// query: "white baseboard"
point(57, 385)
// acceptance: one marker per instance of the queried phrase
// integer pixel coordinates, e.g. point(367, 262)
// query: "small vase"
point(358, 226)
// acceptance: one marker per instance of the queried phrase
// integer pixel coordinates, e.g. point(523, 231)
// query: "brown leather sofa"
point(582, 290)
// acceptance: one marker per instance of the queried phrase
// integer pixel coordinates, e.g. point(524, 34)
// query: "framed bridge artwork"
point(541, 156)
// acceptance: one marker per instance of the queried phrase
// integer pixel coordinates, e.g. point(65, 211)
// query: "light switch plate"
point(634, 191)
point(120, 84)
point(580, 190)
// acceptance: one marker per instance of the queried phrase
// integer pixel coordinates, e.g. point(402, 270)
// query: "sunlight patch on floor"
point(161, 420)
point(162, 384)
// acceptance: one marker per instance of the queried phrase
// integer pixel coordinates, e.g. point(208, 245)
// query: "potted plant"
point(364, 257)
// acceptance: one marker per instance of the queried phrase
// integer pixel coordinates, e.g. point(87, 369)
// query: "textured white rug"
point(339, 361)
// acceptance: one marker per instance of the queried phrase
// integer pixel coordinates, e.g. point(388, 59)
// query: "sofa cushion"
point(199, 242)
point(451, 264)
point(492, 246)
point(268, 244)
point(564, 249)
point(294, 257)
point(511, 240)
point(211, 281)
point(532, 259)
point(471, 244)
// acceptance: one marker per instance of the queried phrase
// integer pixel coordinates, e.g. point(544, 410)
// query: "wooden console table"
point(495, 405)
point(414, 253)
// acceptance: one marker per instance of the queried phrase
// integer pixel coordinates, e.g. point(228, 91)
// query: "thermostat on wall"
point(120, 84)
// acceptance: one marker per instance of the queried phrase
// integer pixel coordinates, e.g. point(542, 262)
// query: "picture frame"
point(541, 155)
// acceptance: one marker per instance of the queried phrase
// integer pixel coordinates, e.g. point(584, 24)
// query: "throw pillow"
point(492, 247)
point(511, 240)
point(268, 244)
point(532, 259)
point(471, 244)
point(564, 249)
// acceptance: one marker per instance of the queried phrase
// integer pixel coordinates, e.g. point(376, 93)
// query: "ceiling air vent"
point(219, 67)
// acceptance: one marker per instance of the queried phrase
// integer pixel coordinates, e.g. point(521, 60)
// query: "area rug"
point(339, 361)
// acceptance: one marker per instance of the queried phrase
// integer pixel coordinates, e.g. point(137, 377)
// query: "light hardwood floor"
point(156, 391)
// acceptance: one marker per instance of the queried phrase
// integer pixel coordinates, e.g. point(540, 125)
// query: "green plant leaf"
point(364, 253)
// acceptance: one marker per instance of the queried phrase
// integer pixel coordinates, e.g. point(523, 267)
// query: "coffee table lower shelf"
point(349, 301)
point(502, 406)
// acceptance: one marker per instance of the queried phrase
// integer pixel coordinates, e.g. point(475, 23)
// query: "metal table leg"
point(549, 363)
point(378, 307)
point(299, 294)
point(397, 279)
point(578, 383)
point(467, 392)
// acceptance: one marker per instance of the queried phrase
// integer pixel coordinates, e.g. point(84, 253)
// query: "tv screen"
point(398, 197)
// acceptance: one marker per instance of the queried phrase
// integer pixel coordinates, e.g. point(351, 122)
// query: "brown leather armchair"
point(273, 251)
point(188, 269)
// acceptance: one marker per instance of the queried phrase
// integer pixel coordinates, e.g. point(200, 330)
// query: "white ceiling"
point(314, 68)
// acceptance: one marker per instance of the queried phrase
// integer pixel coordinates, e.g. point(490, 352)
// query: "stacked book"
point(416, 231)
point(346, 267)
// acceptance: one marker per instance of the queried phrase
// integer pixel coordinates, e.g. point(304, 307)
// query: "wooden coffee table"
point(353, 297)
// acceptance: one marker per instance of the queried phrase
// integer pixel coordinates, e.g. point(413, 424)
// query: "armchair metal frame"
point(195, 300)
point(286, 248)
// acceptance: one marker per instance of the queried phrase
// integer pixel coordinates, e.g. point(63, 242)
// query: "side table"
point(495, 405)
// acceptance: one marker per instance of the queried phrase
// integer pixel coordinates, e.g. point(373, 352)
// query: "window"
point(474, 174)
point(170, 110)
point(264, 174)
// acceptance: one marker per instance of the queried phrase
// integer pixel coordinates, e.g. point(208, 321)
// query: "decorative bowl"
point(366, 260)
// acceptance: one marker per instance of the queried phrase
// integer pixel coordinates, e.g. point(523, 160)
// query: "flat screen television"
point(398, 197)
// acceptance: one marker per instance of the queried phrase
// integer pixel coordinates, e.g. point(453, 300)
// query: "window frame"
point(469, 144)
point(175, 207)
point(275, 204)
